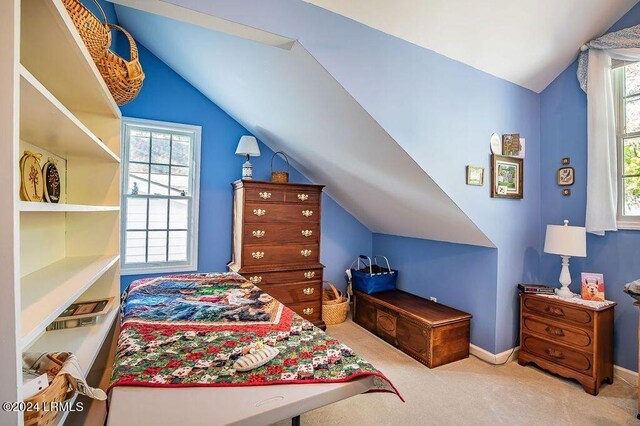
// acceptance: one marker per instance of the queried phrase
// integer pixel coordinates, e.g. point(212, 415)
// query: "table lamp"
point(566, 241)
point(248, 146)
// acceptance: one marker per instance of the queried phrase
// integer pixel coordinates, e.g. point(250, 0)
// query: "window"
point(627, 94)
point(160, 187)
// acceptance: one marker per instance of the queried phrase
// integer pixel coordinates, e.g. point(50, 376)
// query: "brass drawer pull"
point(265, 195)
point(554, 331)
point(305, 253)
point(307, 233)
point(259, 212)
point(554, 353)
point(255, 280)
point(303, 197)
point(307, 311)
point(258, 233)
point(257, 254)
point(554, 311)
point(308, 291)
point(309, 274)
point(307, 213)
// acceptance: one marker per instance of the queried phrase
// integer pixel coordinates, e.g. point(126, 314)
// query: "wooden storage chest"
point(276, 242)
point(432, 333)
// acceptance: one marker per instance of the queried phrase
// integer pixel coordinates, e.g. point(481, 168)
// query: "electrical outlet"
point(433, 299)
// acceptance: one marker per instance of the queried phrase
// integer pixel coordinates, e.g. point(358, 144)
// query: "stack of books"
point(536, 288)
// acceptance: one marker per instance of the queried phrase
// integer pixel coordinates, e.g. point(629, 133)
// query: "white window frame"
point(623, 221)
point(191, 264)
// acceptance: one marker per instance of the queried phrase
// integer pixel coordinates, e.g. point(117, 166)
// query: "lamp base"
point(565, 279)
point(564, 292)
point(247, 170)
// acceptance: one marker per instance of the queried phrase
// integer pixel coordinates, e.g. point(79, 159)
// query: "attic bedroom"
point(317, 212)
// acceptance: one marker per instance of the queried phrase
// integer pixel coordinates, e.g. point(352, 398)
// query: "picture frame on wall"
point(507, 177)
point(475, 175)
point(566, 176)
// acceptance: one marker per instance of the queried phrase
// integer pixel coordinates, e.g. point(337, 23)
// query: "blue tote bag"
point(372, 278)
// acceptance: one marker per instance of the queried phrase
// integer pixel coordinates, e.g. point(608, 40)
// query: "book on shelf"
point(536, 288)
point(81, 314)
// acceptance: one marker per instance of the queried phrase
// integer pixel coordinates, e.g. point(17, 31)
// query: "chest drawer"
point(302, 197)
point(558, 354)
point(311, 311)
point(559, 332)
point(279, 213)
point(574, 315)
point(285, 277)
point(264, 195)
point(270, 233)
point(256, 255)
point(295, 292)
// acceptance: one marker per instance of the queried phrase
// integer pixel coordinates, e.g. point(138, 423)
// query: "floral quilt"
point(188, 330)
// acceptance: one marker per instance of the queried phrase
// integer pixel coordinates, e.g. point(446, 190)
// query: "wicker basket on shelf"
point(335, 307)
point(280, 176)
point(94, 33)
point(124, 78)
point(60, 389)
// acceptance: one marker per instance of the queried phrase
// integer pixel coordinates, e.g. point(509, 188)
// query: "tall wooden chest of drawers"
point(276, 242)
point(569, 339)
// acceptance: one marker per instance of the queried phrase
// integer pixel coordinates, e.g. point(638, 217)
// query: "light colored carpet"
point(469, 392)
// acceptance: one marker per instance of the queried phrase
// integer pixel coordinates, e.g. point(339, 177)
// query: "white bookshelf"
point(55, 254)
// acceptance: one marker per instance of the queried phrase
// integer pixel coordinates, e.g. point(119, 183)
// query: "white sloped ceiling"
point(292, 103)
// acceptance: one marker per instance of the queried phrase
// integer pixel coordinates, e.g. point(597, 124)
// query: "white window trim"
point(624, 222)
point(161, 267)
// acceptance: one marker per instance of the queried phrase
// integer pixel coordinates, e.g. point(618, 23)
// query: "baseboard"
point(626, 375)
point(622, 373)
point(491, 358)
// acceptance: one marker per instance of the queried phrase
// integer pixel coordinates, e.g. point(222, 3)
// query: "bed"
point(181, 334)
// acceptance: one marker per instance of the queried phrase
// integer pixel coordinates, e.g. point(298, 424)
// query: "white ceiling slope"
point(527, 42)
point(291, 103)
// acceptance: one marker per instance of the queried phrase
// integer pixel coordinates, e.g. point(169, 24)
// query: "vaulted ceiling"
point(527, 42)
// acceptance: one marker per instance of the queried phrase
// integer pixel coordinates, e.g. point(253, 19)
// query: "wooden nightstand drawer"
point(558, 354)
point(575, 337)
point(559, 311)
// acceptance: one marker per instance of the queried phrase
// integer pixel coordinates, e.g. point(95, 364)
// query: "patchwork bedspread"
point(188, 330)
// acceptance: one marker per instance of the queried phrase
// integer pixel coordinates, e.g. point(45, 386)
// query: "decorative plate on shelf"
point(31, 180)
point(51, 182)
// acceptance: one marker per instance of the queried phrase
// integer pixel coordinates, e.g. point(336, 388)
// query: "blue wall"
point(442, 113)
point(166, 96)
point(617, 254)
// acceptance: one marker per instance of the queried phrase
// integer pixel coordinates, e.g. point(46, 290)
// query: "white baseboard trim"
point(622, 373)
point(626, 375)
point(501, 358)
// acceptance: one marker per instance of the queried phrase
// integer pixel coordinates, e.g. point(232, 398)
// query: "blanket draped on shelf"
point(188, 330)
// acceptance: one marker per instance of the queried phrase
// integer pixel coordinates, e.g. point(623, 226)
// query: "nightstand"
point(568, 337)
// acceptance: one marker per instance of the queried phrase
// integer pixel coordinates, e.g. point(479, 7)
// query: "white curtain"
point(602, 166)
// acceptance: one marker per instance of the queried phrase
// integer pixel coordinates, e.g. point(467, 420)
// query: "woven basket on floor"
point(94, 32)
point(124, 78)
point(335, 307)
point(60, 389)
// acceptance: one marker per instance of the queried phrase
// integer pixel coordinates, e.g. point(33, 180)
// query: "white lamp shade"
point(566, 240)
point(248, 145)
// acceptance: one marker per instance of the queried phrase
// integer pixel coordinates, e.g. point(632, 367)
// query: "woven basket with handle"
point(60, 389)
point(124, 78)
point(278, 176)
point(94, 32)
point(335, 307)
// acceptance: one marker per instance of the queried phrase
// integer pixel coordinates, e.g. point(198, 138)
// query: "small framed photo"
point(511, 144)
point(592, 286)
point(475, 175)
point(566, 161)
point(566, 176)
point(507, 177)
point(566, 192)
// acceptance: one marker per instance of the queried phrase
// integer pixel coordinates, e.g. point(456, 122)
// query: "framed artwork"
point(475, 175)
point(496, 144)
point(511, 144)
point(592, 286)
point(507, 177)
point(566, 176)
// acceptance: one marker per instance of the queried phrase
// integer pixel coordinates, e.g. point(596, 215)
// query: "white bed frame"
point(235, 405)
